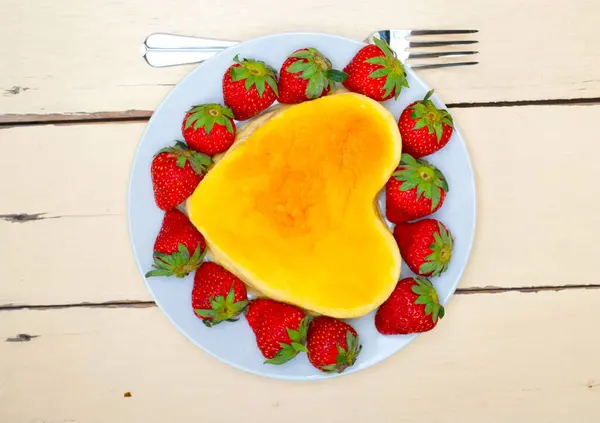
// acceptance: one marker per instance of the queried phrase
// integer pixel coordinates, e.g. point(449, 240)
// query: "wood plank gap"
point(11, 120)
point(128, 116)
point(106, 304)
point(526, 289)
point(147, 304)
point(33, 217)
point(520, 103)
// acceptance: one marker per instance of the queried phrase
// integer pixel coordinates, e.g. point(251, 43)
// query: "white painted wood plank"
point(67, 170)
point(69, 260)
point(68, 56)
point(496, 358)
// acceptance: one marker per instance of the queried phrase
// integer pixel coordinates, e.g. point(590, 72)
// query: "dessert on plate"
point(291, 207)
point(287, 205)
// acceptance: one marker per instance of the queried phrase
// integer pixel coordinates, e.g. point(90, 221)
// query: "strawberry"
point(307, 74)
point(176, 240)
point(249, 87)
point(218, 294)
point(416, 189)
point(413, 307)
point(376, 72)
point(176, 172)
point(332, 345)
point(424, 128)
point(280, 329)
point(425, 246)
point(209, 128)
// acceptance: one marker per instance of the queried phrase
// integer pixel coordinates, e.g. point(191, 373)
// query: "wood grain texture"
point(68, 170)
point(499, 358)
point(536, 219)
point(83, 57)
point(70, 260)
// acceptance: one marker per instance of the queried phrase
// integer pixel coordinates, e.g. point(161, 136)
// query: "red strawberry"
point(209, 128)
point(249, 87)
point(332, 345)
point(254, 313)
point(416, 189)
point(179, 247)
point(280, 329)
point(307, 74)
point(425, 246)
point(176, 172)
point(376, 72)
point(218, 295)
point(413, 307)
point(424, 128)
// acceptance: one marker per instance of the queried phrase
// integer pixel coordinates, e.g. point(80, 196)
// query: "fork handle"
point(161, 50)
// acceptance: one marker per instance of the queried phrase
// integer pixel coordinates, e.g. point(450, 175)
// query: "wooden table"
point(78, 328)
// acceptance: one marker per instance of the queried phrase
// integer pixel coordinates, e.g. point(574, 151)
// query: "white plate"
point(234, 343)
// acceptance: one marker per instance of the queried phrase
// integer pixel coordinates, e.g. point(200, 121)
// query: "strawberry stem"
point(297, 344)
point(428, 180)
point(427, 295)
point(254, 73)
point(437, 262)
point(346, 356)
point(391, 69)
point(222, 309)
point(178, 264)
point(427, 115)
point(206, 116)
point(317, 69)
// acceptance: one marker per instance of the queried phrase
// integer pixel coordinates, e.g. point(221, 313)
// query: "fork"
point(160, 50)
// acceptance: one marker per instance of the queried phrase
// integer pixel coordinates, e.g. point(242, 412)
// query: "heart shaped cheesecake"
point(291, 207)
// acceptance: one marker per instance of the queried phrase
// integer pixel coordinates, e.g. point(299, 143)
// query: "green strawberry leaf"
point(223, 308)
point(428, 296)
point(302, 54)
point(438, 130)
point(434, 119)
point(273, 84)
point(299, 347)
point(377, 61)
point(260, 87)
point(310, 72)
point(238, 73)
point(229, 126)
point(408, 185)
point(317, 70)
point(336, 75)
point(159, 272)
point(207, 115)
point(421, 123)
point(315, 87)
point(299, 66)
point(379, 73)
point(441, 253)
point(428, 181)
point(384, 47)
point(254, 73)
point(285, 354)
point(408, 159)
point(178, 264)
point(435, 197)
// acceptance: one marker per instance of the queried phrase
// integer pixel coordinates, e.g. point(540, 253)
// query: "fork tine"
point(419, 44)
point(442, 31)
point(443, 65)
point(441, 54)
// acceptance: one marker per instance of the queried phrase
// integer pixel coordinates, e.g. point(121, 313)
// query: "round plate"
point(234, 343)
